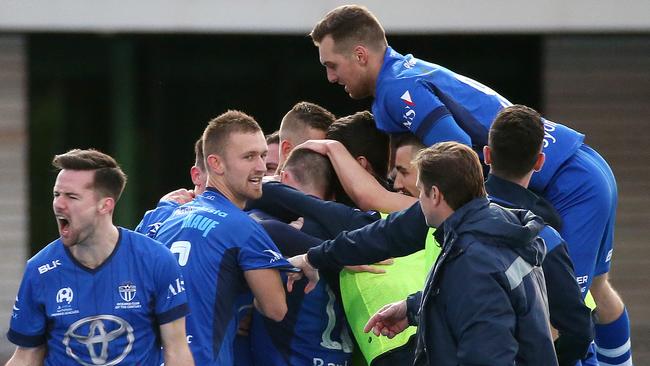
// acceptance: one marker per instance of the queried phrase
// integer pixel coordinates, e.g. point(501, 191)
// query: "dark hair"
point(405, 139)
point(216, 134)
point(273, 138)
point(302, 116)
point(199, 158)
point(349, 25)
point(310, 168)
point(455, 169)
point(515, 140)
point(109, 180)
point(361, 137)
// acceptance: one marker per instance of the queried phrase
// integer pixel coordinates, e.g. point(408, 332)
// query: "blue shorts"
point(583, 191)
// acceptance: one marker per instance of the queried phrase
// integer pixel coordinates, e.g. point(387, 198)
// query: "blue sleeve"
point(28, 320)
point(417, 108)
point(400, 234)
point(569, 315)
point(287, 204)
point(288, 239)
point(259, 252)
point(171, 298)
point(153, 218)
point(413, 302)
point(481, 317)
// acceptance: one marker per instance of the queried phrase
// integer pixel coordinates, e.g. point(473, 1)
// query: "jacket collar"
point(510, 194)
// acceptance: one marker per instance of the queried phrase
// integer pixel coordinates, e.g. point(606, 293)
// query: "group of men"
point(387, 214)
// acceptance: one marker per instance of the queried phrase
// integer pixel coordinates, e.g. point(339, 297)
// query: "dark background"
point(145, 99)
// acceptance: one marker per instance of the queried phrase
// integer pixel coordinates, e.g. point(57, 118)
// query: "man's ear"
point(487, 155)
point(106, 205)
point(363, 162)
point(215, 163)
point(195, 174)
point(360, 54)
point(284, 176)
point(285, 147)
point(539, 163)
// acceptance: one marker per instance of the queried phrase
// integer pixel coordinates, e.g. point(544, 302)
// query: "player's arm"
point(360, 185)
point(425, 115)
point(268, 291)
point(174, 342)
point(27, 356)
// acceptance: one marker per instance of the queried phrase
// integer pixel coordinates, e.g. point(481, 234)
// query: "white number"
point(326, 338)
point(182, 248)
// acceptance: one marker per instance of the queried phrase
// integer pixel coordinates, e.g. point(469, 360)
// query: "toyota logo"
point(99, 336)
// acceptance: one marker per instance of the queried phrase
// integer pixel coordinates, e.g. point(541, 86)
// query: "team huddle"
point(447, 227)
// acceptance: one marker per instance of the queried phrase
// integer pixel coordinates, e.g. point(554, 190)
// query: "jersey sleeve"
point(171, 298)
point(259, 252)
point(28, 320)
point(153, 218)
point(415, 107)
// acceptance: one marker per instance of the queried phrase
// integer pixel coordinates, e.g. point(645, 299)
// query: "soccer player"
point(484, 301)
point(314, 332)
point(225, 255)
point(436, 104)
point(514, 153)
point(99, 294)
point(305, 121)
point(169, 202)
point(273, 157)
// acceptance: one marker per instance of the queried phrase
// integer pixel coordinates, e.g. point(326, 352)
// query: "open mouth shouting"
point(64, 224)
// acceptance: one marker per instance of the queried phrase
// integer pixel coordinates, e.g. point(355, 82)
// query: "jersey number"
point(182, 248)
point(326, 337)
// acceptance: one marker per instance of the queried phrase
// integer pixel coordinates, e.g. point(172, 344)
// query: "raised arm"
point(361, 186)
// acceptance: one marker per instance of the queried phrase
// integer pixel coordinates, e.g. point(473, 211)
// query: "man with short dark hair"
point(305, 121)
point(484, 302)
point(223, 253)
point(436, 104)
point(99, 294)
point(514, 153)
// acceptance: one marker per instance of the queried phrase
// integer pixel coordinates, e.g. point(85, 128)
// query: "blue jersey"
point(438, 105)
point(216, 242)
point(102, 316)
point(314, 331)
point(154, 218)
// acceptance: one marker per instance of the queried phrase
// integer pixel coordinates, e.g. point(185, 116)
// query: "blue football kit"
point(437, 105)
point(314, 331)
point(154, 218)
point(104, 316)
point(215, 243)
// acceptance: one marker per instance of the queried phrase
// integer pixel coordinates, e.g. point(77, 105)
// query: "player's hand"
point(389, 321)
point(270, 178)
point(300, 261)
point(244, 326)
point(297, 223)
point(180, 196)
point(371, 268)
point(319, 146)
